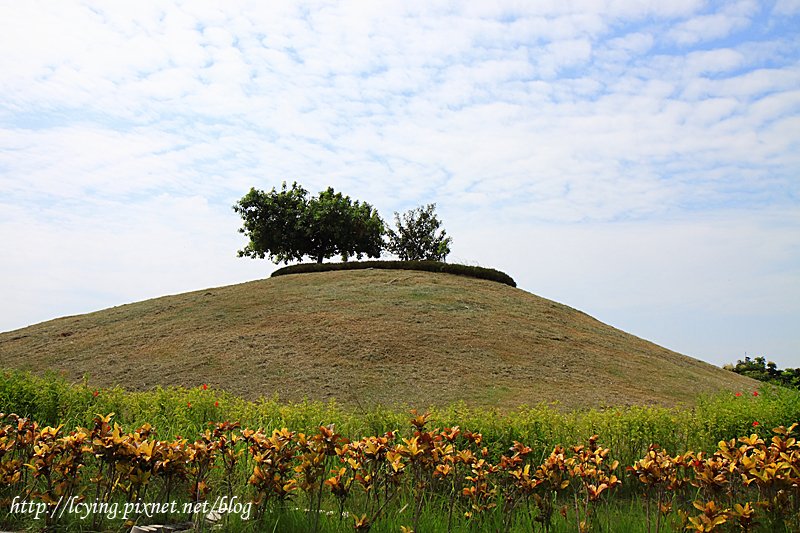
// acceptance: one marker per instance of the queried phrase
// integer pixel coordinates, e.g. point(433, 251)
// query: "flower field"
point(730, 463)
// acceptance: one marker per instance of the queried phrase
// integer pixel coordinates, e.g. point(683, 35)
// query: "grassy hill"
point(365, 337)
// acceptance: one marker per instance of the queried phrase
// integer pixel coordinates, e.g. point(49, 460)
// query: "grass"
point(628, 431)
point(365, 338)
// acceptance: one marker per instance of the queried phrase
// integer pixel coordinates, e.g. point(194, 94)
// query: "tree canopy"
point(287, 225)
point(418, 236)
point(763, 370)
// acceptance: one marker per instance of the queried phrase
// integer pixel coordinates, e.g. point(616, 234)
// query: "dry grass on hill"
point(366, 337)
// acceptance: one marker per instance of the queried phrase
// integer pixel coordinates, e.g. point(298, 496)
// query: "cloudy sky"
point(637, 160)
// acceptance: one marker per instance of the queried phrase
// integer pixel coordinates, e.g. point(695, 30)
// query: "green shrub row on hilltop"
point(426, 266)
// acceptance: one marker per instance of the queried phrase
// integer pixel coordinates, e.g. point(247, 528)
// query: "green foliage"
point(178, 411)
point(287, 225)
point(274, 223)
point(425, 266)
point(336, 225)
point(767, 371)
point(418, 236)
point(627, 431)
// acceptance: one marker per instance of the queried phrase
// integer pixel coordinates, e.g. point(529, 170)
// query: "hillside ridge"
point(365, 337)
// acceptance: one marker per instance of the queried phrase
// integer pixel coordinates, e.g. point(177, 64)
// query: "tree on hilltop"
point(418, 236)
point(288, 225)
point(273, 222)
point(336, 225)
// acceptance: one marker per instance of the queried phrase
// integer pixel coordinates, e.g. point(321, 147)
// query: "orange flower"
point(95, 393)
point(205, 387)
point(216, 404)
point(755, 423)
point(189, 405)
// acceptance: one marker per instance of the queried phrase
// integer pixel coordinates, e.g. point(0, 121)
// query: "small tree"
point(274, 223)
point(418, 236)
point(287, 225)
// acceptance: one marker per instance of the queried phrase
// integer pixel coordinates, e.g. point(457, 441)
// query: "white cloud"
point(787, 7)
point(713, 61)
point(750, 84)
point(733, 16)
point(566, 54)
point(632, 43)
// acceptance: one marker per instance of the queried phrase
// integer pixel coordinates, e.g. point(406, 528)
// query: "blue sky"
point(639, 161)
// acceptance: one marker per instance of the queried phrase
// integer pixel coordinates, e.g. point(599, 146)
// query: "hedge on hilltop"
point(426, 266)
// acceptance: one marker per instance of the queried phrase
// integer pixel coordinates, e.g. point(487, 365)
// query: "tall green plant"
point(419, 236)
point(288, 225)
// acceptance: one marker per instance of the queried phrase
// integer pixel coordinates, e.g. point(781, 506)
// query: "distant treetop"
point(767, 371)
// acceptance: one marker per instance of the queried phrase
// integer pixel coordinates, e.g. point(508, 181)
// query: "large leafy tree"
point(337, 225)
point(287, 225)
point(418, 236)
point(273, 221)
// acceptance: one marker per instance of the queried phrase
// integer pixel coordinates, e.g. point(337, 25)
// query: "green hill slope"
point(364, 337)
